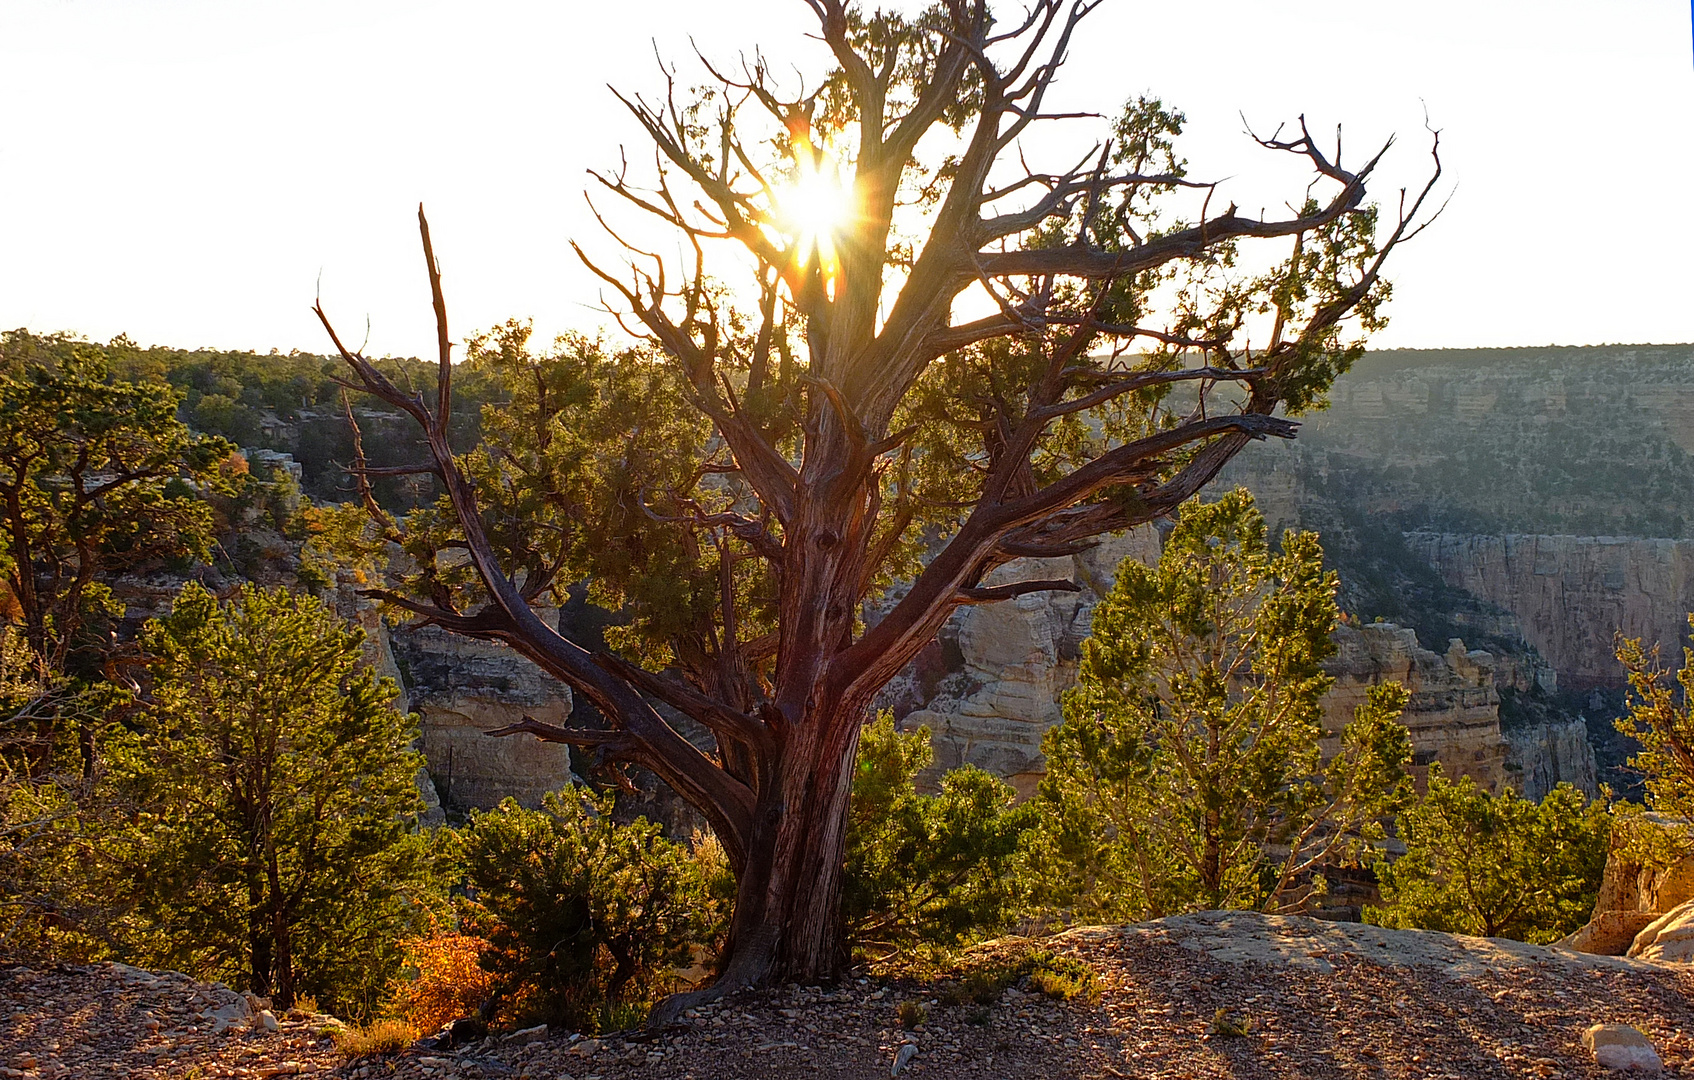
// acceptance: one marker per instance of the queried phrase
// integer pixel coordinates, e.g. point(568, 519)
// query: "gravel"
point(1314, 999)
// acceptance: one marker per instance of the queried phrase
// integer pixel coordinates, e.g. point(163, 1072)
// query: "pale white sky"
point(185, 170)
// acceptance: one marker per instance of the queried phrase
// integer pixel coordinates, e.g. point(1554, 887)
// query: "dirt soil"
point(1317, 1000)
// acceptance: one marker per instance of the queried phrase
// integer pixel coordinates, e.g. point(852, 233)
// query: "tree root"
point(752, 962)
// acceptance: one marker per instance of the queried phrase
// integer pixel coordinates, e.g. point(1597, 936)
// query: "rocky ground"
point(109, 1020)
point(1314, 999)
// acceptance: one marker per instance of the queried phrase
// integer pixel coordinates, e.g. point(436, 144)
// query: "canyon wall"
point(1572, 593)
point(1454, 711)
point(461, 688)
point(991, 686)
point(1541, 756)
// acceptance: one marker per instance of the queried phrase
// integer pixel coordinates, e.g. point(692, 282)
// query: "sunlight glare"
point(815, 209)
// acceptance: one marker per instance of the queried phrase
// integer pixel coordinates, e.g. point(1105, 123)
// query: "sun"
point(814, 209)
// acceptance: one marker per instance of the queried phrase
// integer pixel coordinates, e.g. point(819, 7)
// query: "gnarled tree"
point(814, 414)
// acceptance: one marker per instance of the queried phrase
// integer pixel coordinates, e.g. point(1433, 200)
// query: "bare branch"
point(615, 743)
point(1015, 589)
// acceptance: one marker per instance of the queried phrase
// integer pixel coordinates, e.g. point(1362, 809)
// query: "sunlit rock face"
point(1454, 711)
point(1572, 593)
point(461, 688)
point(990, 687)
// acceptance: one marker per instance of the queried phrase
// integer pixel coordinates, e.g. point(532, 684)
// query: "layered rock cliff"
point(1454, 711)
point(1543, 755)
point(1532, 501)
point(461, 688)
point(1571, 594)
point(990, 687)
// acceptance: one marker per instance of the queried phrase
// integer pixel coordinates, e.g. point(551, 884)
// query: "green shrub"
point(1495, 865)
point(1063, 978)
point(926, 869)
point(582, 915)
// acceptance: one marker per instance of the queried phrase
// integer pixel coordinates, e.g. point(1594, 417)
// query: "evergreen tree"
point(97, 476)
point(819, 409)
point(1188, 772)
point(1661, 721)
point(1496, 866)
point(276, 840)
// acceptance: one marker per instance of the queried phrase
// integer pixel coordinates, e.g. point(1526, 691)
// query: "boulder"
point(1609, 933)
point(1668, 938)
point(1619, 1046)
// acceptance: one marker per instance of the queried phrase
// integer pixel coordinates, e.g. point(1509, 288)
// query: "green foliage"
point(1188, 771)
point(1064, 978)
point(1661, 720)
point(46, 898)
point(581, 914)
point(600, 449)
point(1496, 866)
point(90, 485)
point(926, 869)
point(274, 839)
point(279, 401)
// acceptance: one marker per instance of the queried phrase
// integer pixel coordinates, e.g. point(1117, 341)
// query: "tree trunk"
point(282, 983)
point(787, 924)
point(258, 956)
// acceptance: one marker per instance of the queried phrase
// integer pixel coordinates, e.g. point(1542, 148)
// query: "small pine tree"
point(1661, 720)
point(926, 869)
point(1188, 771)
point(1495, 865)
point(276, 839)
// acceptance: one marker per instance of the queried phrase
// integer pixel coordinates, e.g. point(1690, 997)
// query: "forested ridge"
point(288, 402)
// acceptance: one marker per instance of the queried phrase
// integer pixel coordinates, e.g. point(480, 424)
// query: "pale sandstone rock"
point(1619, 1046)
point(462, 688)
point(1017, 658)
point(1669, 938)
point(1638, 896)
point(1608, 933)
point(1630, 886)
point(1298, 943)
point(1454, 711)
point(379, 650)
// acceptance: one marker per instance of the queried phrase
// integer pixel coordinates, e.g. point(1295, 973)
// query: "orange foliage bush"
point(442, 981)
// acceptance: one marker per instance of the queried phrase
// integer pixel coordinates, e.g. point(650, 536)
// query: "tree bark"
point(787, 924)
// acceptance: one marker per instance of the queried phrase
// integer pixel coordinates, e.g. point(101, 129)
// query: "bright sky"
point(188, 171)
